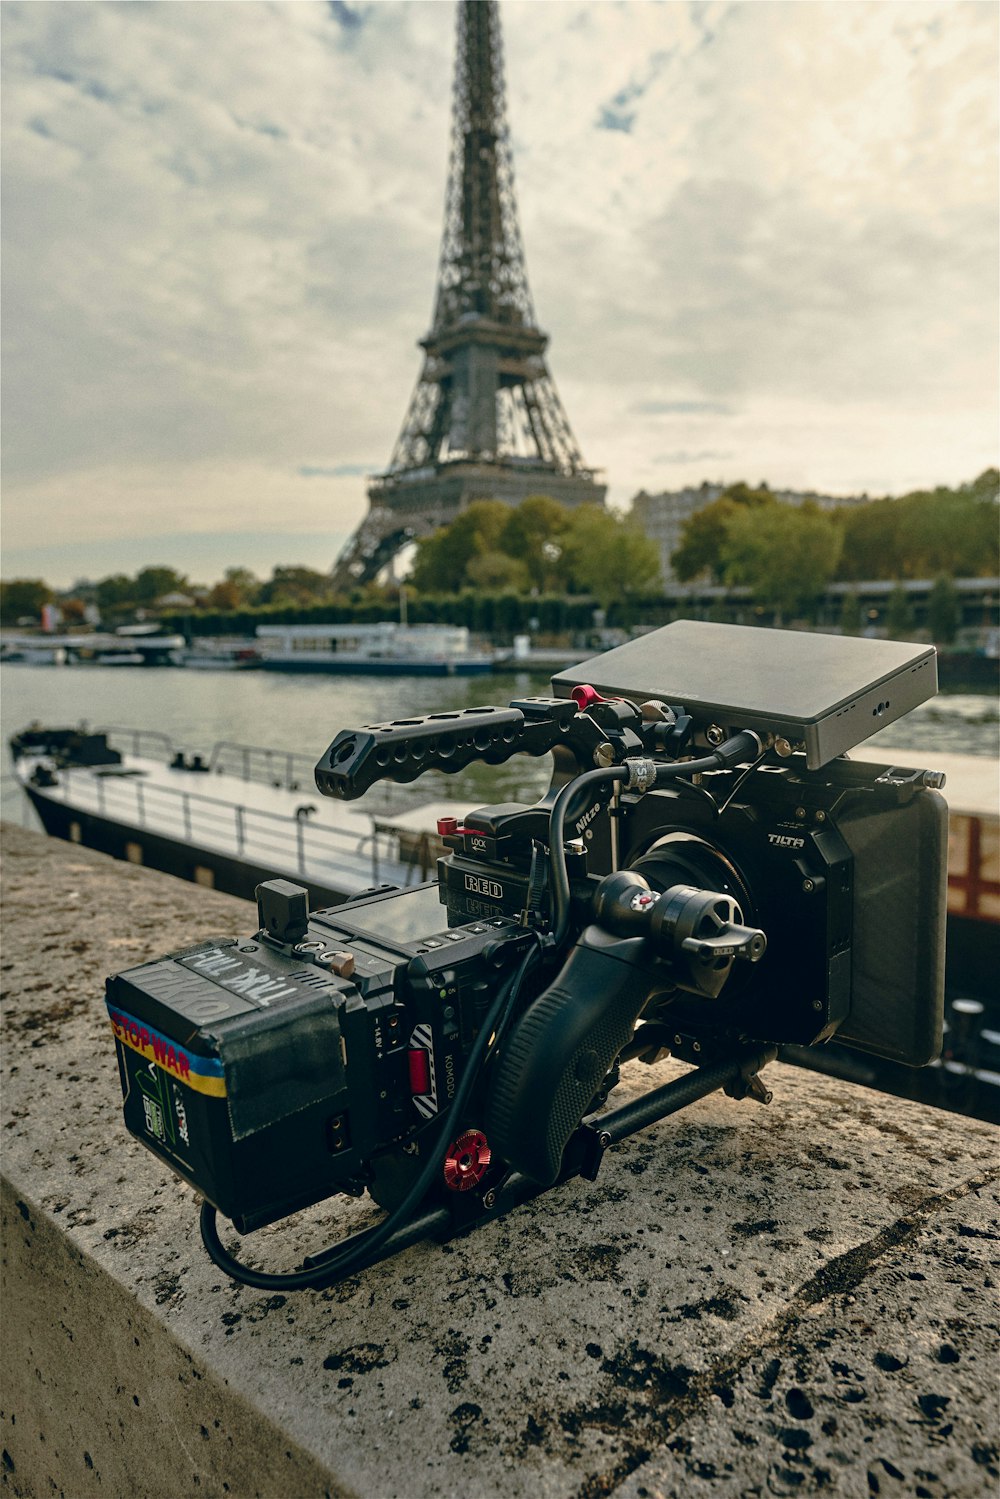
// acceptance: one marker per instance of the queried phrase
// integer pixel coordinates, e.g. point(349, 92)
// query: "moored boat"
point(32, 653)
point(374, 650)
point(221, 655)
point(227, 819)
point(125, 647)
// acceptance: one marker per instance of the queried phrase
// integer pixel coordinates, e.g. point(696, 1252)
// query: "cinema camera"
point(708, 876)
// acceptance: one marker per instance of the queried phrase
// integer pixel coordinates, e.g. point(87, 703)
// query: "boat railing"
point(291, 844)
point(149, 744)
point(250, 762)
point(270, 767)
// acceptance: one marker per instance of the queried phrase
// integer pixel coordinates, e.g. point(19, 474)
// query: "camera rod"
point(736, 1074)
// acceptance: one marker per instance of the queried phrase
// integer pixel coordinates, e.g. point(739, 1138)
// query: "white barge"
point(227, 820)
point(372, 650)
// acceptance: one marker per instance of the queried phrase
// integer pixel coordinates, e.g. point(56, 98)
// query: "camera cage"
point(676, 774)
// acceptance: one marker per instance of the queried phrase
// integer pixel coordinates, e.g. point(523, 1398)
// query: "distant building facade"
point(662, 517)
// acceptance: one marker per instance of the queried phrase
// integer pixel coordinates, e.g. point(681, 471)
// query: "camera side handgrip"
point(561, 1050)
point(575, 1031)
point(404, 749)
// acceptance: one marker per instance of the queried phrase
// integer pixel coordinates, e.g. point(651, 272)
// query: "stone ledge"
point(749, 1301)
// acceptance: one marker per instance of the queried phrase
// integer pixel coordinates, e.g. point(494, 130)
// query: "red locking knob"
point(584, 697)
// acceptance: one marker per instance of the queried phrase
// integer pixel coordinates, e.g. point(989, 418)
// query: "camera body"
point(281, 1066)
point(463, 1031)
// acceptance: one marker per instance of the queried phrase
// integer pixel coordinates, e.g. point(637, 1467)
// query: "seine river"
point(303, 713)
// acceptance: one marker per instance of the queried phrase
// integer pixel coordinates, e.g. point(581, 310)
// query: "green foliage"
point(154, 583)
point(114, 592)
point(239, 587)
point(785, 554)
point(939, 532)
point(442, 559)
point(22, 598)
point(704, 537)
point(291, 586)
point(928, 533)
point(496, 571)
point(538, 546)
point(533, 534)
point(606, 555)
point(943, 611)
point(899, 621)
point(850, 614)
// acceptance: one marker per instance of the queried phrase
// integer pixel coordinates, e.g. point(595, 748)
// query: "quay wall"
point(749, 1301)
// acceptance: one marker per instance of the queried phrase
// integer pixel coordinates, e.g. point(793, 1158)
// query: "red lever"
point(447, 826)
point(585, 696)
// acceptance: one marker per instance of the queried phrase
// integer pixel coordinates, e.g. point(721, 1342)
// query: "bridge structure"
point(485, 420)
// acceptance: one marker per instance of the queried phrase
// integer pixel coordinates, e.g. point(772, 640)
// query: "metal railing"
point(149, 744)
point(268, 766)
point(250, 762)
point(289, 843)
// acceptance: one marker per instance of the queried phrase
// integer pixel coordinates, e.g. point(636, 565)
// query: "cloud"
point(682, 408)
point(621, 112)
point(222, 227)
point(705, 455)
point(350, 17)
point(338, 471)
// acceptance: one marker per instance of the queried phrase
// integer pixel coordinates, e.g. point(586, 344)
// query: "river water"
point(303, 713)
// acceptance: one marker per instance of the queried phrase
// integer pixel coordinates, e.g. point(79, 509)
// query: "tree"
point(224, 596)
point(607, 555)
point(296, 587)
point(153, 583)
point(785, 554)
point(23, 598)
point(703, 538)
point(442, 559)
point(245, 583)
point(943, 612)
point(532, 534)
point(74, 611)
point(899, 614)
point(115, 592)
point(496, 572)
point(238, 589)
point(927, 533)
point(850, 614)
point(874, 543)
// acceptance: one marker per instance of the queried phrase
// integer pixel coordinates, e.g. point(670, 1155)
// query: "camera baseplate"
point(736, 1075)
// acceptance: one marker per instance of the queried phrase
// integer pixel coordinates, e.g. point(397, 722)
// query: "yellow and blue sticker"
point(203, 1074)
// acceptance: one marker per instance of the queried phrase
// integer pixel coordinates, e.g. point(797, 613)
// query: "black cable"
point(726, 755)
point(743, 776)
point(342, 1259)
point(675, 768)
point(356, 1251)
point(557, 853)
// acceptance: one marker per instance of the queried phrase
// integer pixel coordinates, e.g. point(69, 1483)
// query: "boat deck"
point(292, 831)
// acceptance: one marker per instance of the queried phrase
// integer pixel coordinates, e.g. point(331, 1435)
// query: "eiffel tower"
point(485, 421)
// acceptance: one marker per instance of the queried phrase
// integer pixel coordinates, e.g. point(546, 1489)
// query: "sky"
point(761, 236)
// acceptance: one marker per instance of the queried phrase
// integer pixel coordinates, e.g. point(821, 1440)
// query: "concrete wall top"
point(749, 1301)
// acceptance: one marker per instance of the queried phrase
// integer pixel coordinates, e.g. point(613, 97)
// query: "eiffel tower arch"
point(485, 420)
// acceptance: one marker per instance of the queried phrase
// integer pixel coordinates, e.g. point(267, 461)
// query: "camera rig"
point(693, 884)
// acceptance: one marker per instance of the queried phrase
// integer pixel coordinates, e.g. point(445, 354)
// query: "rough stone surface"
point(749, 1301)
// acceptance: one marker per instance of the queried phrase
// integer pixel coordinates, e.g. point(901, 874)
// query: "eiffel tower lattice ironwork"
point(485, 420)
